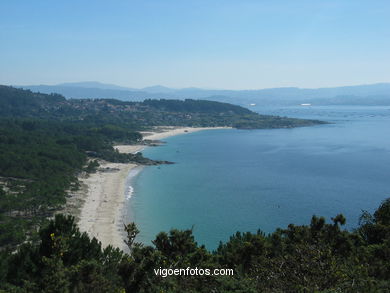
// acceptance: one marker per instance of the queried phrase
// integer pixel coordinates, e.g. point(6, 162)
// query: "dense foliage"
point(39, 161)
point(15, 102)
point(319, 257)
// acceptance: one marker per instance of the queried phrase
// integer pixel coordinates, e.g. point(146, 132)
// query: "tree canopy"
point(319, 257)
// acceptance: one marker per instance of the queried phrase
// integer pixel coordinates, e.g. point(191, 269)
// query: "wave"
point(129, 188)
point(129, 192)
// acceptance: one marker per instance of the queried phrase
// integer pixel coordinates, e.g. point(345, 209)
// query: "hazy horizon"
point(213, 45)
point(129, 87)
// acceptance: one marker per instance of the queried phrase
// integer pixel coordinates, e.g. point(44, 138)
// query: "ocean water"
point(244, 180)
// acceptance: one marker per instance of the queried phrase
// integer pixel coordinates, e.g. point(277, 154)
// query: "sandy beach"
point(98, 205)
point(160, 133)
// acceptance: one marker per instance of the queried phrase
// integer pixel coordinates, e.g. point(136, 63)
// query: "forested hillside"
point(23, 103)
point(39, 161)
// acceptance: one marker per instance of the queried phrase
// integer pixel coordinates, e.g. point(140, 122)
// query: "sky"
point(215, 44)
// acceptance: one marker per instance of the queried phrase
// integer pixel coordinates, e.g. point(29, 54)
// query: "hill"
point(24, 103)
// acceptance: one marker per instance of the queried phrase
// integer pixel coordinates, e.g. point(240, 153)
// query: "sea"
point(230, 180)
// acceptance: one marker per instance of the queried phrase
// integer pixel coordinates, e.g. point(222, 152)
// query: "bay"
point(244, 180)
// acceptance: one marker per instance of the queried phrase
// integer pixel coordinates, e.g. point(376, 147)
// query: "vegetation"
point(39, 163)
point(319, 257)
point(137, 115)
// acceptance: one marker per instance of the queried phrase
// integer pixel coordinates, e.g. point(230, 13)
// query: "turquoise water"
point(244, 180)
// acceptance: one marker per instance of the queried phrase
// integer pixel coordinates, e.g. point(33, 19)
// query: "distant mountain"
point(158, 89)
point(95, 84)
point(373, 94)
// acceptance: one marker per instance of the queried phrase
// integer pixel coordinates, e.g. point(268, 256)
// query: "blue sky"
point(241, 44)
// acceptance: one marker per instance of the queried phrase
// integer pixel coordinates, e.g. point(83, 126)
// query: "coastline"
point(98, 205)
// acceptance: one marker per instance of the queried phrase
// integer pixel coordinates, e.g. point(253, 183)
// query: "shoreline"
point(99, 204)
